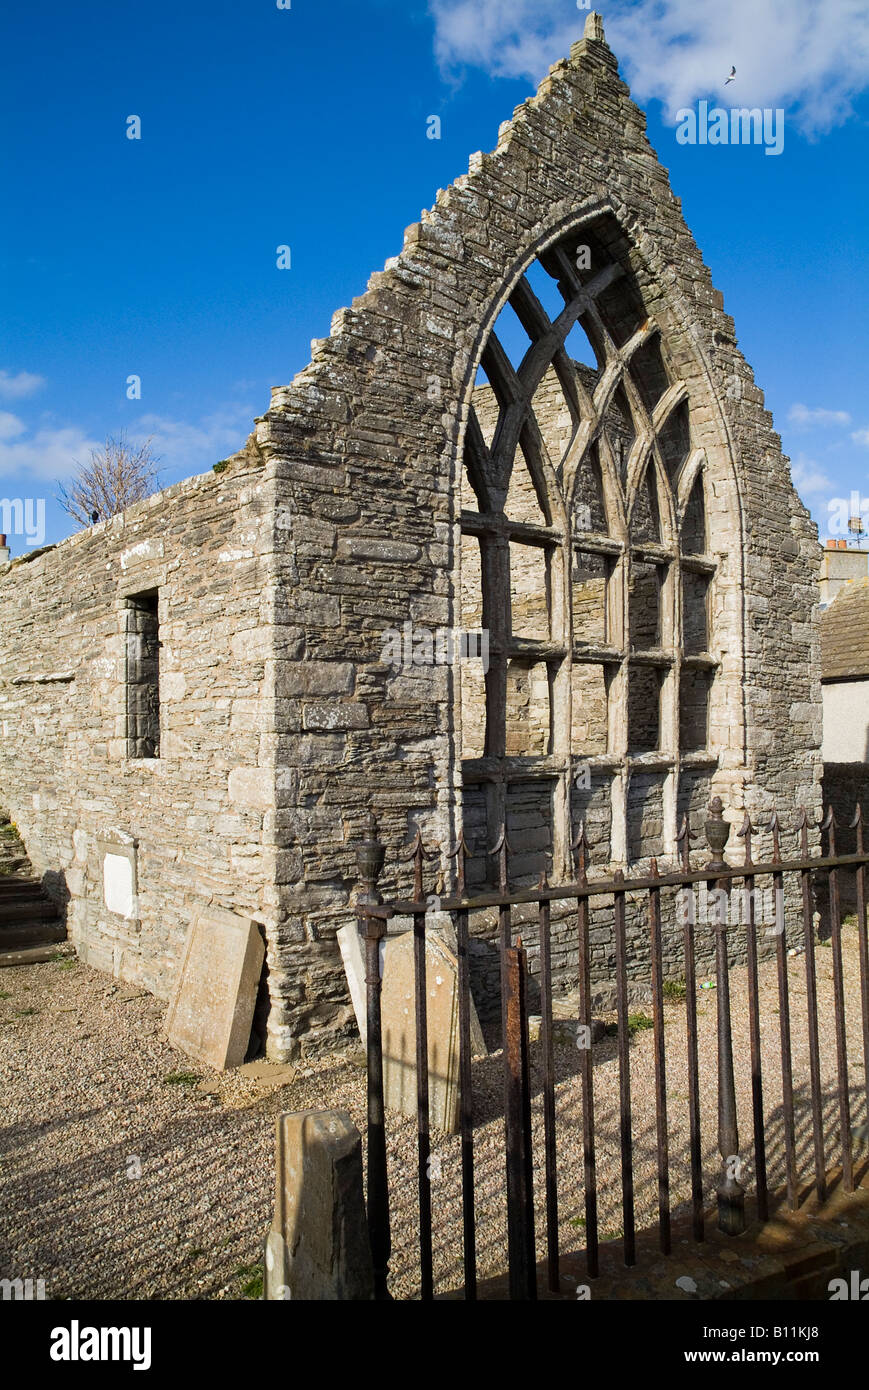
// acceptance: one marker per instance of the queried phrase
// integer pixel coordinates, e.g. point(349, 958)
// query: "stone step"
point(12, 889)
point(29, 936)
point(31, 955)
point(38, 909)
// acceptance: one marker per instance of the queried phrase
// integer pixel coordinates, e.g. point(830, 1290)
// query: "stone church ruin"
point(536, 423)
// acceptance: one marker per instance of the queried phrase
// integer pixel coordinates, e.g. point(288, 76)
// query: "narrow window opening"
point(695, 612)
point(644, 710)
point(694, 710)
point(143, 676)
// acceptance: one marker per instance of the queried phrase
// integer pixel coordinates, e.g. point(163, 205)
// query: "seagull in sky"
point(732, 75)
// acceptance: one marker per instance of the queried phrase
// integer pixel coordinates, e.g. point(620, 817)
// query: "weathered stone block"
point(398, 1028)
point(314, 678)
point(252, 786)
point(317, 1248)
point(212, 1008)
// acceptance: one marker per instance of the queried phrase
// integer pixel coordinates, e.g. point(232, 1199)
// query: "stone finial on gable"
point(593, 43)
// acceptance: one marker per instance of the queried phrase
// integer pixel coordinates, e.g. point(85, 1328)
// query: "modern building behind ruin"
point(197, 689)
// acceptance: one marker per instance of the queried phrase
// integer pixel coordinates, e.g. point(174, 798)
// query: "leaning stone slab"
point(398, 1014)
point(212, 1009)
point(318, 1247)
point(352, 946)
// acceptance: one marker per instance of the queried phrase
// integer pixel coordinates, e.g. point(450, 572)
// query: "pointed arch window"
point(585, 555)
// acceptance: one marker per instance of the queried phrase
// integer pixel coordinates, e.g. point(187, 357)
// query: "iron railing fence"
point(718, 875)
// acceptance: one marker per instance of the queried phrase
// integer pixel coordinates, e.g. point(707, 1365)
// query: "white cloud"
point(811, 60)
point(186, 448)
point(810, 480)
point(10, 425)
point(861, 437)
point(12, 388)
point(50, 451)
point(804, 417)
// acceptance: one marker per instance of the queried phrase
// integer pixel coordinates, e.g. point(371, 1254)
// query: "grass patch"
point(675, 990)
point(66, 962)
point(638, 1023)
point(181, 1078)
point(26, 1013)
point(253, 1277)
point(4, 994)
point(578, 1221)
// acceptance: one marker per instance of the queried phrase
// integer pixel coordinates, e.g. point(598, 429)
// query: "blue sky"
point(307, 127)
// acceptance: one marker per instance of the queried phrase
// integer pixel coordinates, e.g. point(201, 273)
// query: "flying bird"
point(732, 75)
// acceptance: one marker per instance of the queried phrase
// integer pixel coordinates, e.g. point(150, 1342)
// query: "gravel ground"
point(127, 1171)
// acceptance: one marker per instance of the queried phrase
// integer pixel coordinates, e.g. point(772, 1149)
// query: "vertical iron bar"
point(423, 1129)
point(466, 1095)
point(369, 857)
point(660, 1064)
point(839, 1008)
point(863, 946)
point(812, 1009)
point(761, 1186)
point(379, 1235)
point(691, 1041)
point(629, 1235)
point(548, 1092)
point(509, 989)
point(505, 926)
point(784, 1015)
point(520, 1195)
point(586, 1066)
point(731, 1194)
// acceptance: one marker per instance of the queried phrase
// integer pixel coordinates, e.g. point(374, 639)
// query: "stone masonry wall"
point(202, 813)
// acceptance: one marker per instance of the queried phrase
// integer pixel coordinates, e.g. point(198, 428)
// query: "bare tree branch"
point(116, 477)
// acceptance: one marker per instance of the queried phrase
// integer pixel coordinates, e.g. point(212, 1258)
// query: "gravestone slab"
point(317, 1247)
point(212, 1008)
point(398, 1014)
point(352, 946)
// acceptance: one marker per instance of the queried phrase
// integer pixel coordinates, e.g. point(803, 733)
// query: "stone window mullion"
point(495, 554)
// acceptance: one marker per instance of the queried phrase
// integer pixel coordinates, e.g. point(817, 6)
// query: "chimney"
point(5, 552)
point(831, 544)
point(843, 545)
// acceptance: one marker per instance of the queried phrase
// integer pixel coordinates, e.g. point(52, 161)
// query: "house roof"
point(845, 634)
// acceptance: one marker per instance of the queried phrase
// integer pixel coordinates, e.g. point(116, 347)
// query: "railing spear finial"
point(461, 853)
point(745, 833)
point(580, 849)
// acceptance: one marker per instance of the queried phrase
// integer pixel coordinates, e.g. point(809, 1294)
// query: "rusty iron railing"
point(372, 917)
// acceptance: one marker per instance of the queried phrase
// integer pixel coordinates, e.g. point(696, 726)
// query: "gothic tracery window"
point(585, 555)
